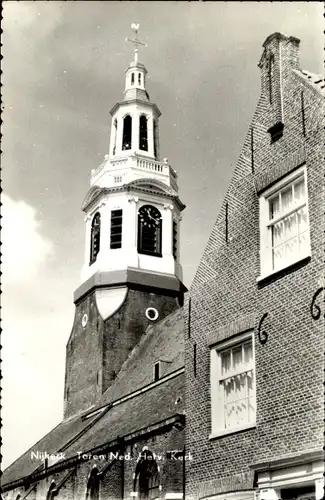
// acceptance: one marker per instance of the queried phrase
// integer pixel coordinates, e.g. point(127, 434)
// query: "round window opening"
point(152, 313)
point(84, 320)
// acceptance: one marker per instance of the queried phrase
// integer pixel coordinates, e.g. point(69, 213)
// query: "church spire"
point(117, 231)
point(136, 42)
point(135, 75)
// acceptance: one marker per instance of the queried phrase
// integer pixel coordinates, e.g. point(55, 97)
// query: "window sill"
point(227, 432)
point(284, 268)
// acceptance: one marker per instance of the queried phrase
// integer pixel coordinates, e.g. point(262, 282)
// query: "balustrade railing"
point(142, 163)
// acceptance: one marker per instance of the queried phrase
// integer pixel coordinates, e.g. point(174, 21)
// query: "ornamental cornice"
point(92, 198)
point(134, 199)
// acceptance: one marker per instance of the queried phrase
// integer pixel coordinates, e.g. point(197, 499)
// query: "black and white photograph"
point(162, 212)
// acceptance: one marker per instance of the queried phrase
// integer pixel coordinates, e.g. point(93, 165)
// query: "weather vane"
point(136, 42)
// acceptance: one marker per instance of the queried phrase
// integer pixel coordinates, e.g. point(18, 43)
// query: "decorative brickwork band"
point(280, 169)
point(236, 482)
point(239, 326)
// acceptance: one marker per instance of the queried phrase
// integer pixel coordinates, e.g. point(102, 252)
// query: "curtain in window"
point(290, 234)
point(239, 393)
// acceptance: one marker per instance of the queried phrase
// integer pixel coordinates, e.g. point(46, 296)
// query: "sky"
point(63, 70)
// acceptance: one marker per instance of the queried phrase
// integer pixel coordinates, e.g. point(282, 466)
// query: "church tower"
point(131, 276)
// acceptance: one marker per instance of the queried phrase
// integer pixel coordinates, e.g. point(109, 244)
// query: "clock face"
point(149, 216)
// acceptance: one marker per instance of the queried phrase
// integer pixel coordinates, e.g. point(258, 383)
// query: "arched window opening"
point(139, 78)
point(127, 133)
point(95, 237)
point(149, 230)
point(18, 496)
point(92, 492)
point(115, 135)
point(132, 79)
point(51, 491)
point(143, 137)
point(146, 481)
point(116, 228)
point(174, 239)
point(155, 139)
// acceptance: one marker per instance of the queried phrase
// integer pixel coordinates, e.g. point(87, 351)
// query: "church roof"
point(162, 341)
point(51, 443)
point(137, 414)
point(313, 80)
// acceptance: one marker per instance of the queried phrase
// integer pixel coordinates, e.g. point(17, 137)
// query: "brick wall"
point(289, 367)
point(120, 476)
point(96, 352)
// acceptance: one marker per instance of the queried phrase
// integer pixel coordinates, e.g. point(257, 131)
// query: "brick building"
point(254, 323)
point(122, 435)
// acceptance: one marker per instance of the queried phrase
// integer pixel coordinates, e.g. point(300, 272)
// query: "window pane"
point(250, 383)
point(299, 190)
point(291, 248)
point(302, 219)
point(274, 207)
point(225, 362)
point(242, 412)
point(237, 357)
point(248, 353)
point(278, 256)
point(230, 416)
point(290, 226)
point(277, 233)
point(286, 199)
point(229, 388)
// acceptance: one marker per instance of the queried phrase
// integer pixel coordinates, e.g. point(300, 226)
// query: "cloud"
point(25, 250)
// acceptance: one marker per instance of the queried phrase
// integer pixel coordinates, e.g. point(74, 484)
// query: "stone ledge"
point(132, 278)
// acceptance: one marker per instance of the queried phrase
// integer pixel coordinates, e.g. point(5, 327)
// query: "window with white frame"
point(284, 227)
point(233, 400)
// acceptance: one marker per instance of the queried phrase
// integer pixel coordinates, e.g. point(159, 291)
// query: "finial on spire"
point(136, 42)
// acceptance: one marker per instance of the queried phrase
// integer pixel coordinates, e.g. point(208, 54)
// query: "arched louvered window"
point(175, 237)
point(149, 230)
point(143, 136)
point(139, 78)
point(115, 135)
point(92, 492)
point(127, 133)
point(146, 481)
point(155, 139)
point(132, 79)
point(95, 237)
point(51, 493)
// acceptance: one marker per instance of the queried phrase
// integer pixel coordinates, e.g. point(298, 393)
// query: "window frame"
point(95, 232)
point(141, 233)
point(115, 235)
point(216, 393)
point(143, 133)
point(265, 223)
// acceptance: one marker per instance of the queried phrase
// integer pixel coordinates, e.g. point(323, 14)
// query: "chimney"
point(280, 56)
